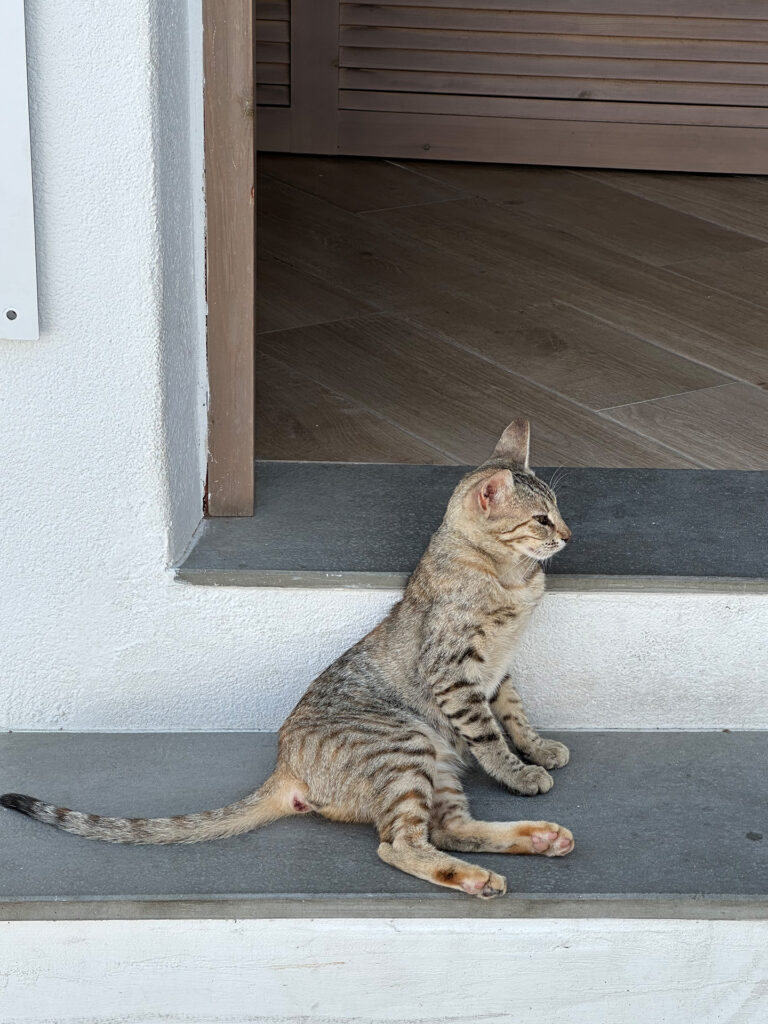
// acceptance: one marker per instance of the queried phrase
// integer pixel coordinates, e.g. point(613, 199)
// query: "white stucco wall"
point(103, 452)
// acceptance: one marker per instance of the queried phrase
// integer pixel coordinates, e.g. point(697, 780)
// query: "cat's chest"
point(503, 628)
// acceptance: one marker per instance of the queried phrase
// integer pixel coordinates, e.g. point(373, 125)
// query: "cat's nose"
point(566, 535)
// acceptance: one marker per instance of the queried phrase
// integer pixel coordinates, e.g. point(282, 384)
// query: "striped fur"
point(382, 734)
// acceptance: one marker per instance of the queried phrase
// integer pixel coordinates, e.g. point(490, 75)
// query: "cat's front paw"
point(530, 779)
point(549, 754)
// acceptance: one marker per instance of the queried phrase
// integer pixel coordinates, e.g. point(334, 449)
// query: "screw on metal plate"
point(11, 314)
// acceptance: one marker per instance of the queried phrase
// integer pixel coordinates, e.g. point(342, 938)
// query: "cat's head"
point(505, 508)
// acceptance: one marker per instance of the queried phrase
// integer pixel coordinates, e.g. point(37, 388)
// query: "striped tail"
point(266, 804)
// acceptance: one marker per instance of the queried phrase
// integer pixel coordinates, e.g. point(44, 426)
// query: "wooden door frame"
point(228, 60)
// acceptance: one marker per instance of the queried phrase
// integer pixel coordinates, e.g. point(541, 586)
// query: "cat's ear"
point(515, 444)
point(492, 491)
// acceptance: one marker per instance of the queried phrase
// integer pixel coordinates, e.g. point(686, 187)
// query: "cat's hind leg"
point(452, 827)
point(402, 819)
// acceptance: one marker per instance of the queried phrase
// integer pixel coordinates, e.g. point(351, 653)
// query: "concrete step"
point(655, 616)
point(667, 825)
point(334, 524)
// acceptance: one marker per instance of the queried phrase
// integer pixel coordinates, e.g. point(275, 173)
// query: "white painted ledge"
point(426, 971)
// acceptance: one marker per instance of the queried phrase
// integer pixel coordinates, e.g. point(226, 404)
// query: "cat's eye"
point(544, 520)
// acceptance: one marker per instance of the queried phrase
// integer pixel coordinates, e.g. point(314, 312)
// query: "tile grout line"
point(656, 344)
point(357, 213)
point(677, 394)
point(406, 206)
point(665, 206)
point(615, 326)
point(640, 433)
point(642, 264)
point(371, 412)
point(413, 320)
point(325, 323)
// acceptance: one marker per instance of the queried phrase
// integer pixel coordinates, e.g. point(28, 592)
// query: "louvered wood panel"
point(437, 78)
point(272, 29)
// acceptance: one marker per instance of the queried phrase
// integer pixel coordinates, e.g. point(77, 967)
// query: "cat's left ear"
point(515, 444)
point(492, 491)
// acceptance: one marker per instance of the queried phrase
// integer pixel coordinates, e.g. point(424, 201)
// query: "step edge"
point(516, 906)
point(557, 583)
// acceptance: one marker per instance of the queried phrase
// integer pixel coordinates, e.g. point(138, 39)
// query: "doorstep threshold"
point(365, 525)
point(665, 827)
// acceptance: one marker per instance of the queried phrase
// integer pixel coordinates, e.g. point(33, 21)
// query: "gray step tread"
point(667, 821)
point(367, 524)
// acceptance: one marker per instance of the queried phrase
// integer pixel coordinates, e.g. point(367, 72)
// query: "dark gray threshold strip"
point(667, 824)
point(366, 525)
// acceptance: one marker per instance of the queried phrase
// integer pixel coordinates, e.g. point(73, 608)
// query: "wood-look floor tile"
point(744, 274)
point(379, 267)
point(452, 399)
point(724, 427)
point(587, 206)
point(353, 183)
point(501, 183)
point(732, 201)
point(586, 360)
point(299, 419)
point(680, 314)
point(289, 297)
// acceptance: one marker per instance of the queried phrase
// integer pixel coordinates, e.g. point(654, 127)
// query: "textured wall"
point(102, 454)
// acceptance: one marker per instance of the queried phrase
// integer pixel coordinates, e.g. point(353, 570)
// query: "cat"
point(382, 734)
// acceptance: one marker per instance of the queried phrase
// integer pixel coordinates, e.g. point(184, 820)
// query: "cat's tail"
point(277, 798)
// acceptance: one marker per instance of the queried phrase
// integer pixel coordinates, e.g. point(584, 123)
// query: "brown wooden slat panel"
point(386, 80)
point(542, 66)
point(573, 110)
point(273, 95)
point(560, 23)
point(273, 53)
point(753, 10)
point(314, 73)
point(274, 134)
point(272, 31)
point(554, 44)
point(579, 144)
point(273, 10)
point(273, 74)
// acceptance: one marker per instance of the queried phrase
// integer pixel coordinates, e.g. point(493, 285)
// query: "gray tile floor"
point(654, 814)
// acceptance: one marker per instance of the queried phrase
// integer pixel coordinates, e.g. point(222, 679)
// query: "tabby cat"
point(381, 736)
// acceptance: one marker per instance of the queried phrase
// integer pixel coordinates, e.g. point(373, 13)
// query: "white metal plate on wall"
point(18, 277)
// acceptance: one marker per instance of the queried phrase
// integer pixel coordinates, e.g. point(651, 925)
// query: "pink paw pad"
point(299, 805)
point(472, 887)
point(543, 840)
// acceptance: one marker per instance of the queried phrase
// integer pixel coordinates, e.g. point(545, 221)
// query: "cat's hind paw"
point(551, 840)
